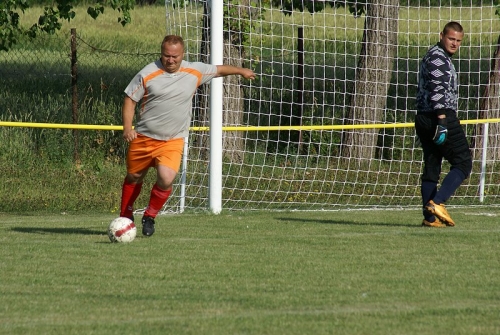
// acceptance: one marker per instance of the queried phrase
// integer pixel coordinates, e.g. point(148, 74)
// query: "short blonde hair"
point(172, 39)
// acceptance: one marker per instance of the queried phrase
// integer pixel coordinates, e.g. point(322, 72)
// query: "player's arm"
point(439, 85)
point(227, 70)
point(439, 81)
point(128, 111)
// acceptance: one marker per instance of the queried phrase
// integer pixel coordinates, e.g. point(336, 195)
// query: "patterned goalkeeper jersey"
point(437, 82)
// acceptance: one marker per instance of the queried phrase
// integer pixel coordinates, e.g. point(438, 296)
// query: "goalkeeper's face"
point(451, 41)
point(171, 56)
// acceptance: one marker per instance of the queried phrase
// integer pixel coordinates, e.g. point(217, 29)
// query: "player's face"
point(171, 57)
point(451, 41)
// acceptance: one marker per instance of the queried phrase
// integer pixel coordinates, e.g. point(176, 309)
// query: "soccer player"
point(438, 127)
point(165, 89)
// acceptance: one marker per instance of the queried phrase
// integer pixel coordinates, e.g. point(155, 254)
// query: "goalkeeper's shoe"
point(435, 224)
point(440, 212)
point(148, 225)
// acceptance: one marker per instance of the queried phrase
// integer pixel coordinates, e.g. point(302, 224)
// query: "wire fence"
point(62, 78)
point(43, 66)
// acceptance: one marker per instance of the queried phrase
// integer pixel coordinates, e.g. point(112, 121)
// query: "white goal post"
point(310, 133)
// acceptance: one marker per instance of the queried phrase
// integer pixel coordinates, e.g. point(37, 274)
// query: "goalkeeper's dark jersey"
point(437, 82)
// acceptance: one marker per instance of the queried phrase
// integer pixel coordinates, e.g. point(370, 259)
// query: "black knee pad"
point(465, 167)
point(431, 173)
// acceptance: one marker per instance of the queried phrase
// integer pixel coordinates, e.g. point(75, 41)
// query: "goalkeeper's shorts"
point(455, 150)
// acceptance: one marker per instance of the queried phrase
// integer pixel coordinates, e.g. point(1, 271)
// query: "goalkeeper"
point(166, 88)
point(438, 127)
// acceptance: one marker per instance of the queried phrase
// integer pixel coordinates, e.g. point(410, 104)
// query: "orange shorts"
point(145, 152)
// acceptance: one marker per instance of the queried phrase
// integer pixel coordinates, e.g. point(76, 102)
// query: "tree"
point(373, 73)
point(51, 20)
point(489, 109)
point(373, 76)
point(238, 17)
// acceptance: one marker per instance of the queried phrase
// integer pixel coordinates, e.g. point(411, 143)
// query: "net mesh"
point(312, 72)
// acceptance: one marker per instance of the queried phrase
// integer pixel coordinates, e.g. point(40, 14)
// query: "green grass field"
point(347, 272)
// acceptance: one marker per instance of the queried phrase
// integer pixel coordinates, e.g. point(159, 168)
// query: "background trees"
point(373, 72)
point(50, 20)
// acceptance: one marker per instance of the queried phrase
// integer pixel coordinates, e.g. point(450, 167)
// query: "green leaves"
point(50, 21)
point(123, 6)
point(94, 12)
point(357, 8)
point(9, 22)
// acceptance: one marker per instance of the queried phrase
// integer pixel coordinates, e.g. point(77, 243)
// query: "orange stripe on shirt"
point(145, 80)
point(193, 72)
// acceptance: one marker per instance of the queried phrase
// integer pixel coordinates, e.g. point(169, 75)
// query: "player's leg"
point(138, 163)
point(456, 152)
point(168, 159)
point(161, 190)
point(131, 189)
point(425, 125)
point(429, 182)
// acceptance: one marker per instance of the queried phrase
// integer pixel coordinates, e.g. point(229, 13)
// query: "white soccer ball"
point(122, 230)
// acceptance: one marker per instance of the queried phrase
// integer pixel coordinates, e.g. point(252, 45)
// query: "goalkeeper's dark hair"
point(453, 25)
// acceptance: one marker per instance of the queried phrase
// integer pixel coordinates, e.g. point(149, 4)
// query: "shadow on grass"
point(65, 231)
point(352, 223)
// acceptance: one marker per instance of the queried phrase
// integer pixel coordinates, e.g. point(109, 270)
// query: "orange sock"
point(157, 200)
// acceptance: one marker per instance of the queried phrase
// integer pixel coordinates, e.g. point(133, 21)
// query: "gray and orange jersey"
point(166, 107)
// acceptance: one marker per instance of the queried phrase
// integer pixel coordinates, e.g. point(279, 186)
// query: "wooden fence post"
point(74, 90)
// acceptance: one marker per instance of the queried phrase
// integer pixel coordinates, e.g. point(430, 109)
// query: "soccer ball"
point(122, 230)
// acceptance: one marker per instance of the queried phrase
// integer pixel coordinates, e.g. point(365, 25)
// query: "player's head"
point(451, 37)
point(172, 53)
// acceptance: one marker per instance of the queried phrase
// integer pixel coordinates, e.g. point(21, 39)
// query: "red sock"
point(130, 192)
point(157, 200)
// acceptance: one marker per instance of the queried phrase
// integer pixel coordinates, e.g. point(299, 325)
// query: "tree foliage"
point(51, 19)
point(357, 8)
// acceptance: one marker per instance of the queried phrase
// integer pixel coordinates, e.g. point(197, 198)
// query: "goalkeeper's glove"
point(441, 131)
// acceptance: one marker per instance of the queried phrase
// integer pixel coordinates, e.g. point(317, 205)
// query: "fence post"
point(300, 85)
point(483, 162)
point(74, 93)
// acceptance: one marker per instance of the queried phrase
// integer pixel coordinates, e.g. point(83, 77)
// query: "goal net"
point(328, 123)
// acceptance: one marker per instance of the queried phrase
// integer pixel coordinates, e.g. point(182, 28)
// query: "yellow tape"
point(236, 128)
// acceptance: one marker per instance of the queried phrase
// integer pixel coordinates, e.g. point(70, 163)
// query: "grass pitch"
point(348, 272)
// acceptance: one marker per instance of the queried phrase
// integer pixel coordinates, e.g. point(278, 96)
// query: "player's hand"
point(441, 132)
point(129, 135)
point(248, 74)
